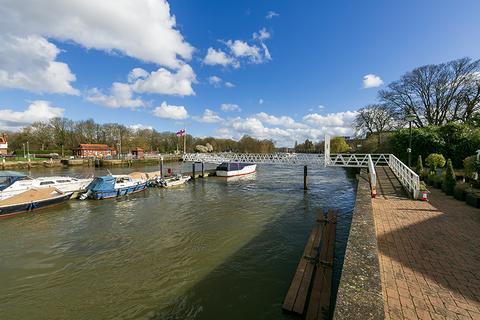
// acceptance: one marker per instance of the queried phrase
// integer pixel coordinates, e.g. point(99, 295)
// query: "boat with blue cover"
point(112, 186)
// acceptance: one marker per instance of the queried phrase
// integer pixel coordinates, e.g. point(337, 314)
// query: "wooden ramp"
point(312, 281)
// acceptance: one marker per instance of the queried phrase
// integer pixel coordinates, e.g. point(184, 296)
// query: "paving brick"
point(429, 254)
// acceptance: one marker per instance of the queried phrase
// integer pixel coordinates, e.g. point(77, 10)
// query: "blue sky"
point(282, 70)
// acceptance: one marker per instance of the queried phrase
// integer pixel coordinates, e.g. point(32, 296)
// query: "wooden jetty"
point(312, 281)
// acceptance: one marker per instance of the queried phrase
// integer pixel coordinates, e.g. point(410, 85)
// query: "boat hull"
point(120, 192)
point(14, 209)
point(248, 169)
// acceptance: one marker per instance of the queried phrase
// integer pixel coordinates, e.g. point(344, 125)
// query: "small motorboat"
point(173, 181)
point(32, 199)
point(112, 186)
point(13, 183)
point(235, 169)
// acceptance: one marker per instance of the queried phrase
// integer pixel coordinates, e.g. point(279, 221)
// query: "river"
point(211, 249)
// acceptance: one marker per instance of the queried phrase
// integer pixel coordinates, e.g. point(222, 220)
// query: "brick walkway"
point(429, 255)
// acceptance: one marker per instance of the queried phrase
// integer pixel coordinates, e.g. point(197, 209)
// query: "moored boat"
point(112, 186)
point(32, 199)
point(13, 183)
point(173, 181)
point(235, 169)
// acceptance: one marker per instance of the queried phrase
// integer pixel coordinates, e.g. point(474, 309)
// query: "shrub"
point(469, 165)
point(437, 181)
point(435, 160)
point(419, 168)
point(460, 191)
point(449, 180)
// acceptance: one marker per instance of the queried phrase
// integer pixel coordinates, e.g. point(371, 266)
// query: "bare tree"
point(375, 119)
point(436, 94)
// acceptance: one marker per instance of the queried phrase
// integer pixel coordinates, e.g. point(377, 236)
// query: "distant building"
point(3, 144)
point(138, 152)
point(94, 150)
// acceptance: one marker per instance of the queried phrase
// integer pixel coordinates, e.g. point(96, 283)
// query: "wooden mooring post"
point(203, 170)
point(193, 170)
point(305, 178)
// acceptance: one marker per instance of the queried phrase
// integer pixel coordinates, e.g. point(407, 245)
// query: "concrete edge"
point(360, 291)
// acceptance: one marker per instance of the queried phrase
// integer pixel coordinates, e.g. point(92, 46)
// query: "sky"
point(271, 69)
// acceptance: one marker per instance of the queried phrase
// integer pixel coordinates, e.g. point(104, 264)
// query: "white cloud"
point(166, 111)
point(339, 119)
point(283, 121)
point(120, 97)
point(38, 110)
point(29, 63)
point(215, 81)
point(208, 116)
point(271, 14)
point(263, 34)
point(230, 107)
point(145, 30)
point(260, 101)
point(139, 126)
point(241, 48)
point(372, 81)
point(163, 81)
point(218, 57)
point(229, 85)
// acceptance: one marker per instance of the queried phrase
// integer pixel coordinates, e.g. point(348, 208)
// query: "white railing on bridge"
point(373, 176)
point(264, 158)
point(408, 178)
point(356, 160)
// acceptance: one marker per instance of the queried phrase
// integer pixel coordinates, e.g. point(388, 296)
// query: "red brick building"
point(3, 144)
point(94, 150)
point(138, 152)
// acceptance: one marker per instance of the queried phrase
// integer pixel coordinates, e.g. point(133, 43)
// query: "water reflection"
point(213, 249)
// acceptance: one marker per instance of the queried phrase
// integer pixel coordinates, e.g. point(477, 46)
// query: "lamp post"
point(410, 117)
point(28, 151)
point(24, 156)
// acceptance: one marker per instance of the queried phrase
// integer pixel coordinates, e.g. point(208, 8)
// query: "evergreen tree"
point(449, 179)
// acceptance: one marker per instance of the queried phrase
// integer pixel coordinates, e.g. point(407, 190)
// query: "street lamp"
point(410, 117)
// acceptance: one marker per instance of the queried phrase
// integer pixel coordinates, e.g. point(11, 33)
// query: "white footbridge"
point(407, 177)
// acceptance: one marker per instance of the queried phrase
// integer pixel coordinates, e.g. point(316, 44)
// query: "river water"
point(211, 249)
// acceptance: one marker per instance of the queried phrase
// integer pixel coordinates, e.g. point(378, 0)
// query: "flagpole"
point(184, 141)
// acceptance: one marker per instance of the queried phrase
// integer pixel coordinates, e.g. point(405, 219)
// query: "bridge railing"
point(373, 176)
point(408, 178)
point(357, 160)
point(265, 158)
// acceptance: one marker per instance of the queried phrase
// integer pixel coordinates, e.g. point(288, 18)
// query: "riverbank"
point(86, 162)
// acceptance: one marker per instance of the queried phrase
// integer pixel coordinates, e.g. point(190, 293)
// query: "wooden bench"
point(313, 262)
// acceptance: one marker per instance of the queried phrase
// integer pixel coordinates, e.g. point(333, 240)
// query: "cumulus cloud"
point(241, 48)
point(120, 97)
point(29, 63)
point(38, 110)
point(218, 57)
point(263, 34)
point(218, 82)
point(163, 81)
point(271, 14)
point(145, 30)
point(230, 107)
point(371, 81)
point(284, 121)
point(208, 116)
point(166, 111)
point(139, 126)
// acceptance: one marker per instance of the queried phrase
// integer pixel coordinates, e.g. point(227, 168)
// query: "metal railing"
point(373, 176)
point(356, 160)
point(408, 178)
point(264, 158)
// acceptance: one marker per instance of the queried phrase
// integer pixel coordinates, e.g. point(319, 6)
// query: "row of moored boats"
point(20, 193)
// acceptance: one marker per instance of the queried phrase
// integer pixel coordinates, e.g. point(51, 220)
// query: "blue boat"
point(113, 186)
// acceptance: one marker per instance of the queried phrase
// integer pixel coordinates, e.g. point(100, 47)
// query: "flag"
point(181, 133)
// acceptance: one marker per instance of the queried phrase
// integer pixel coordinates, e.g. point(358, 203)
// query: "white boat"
point(13, 183)
point(235, 169)
point(171, 181)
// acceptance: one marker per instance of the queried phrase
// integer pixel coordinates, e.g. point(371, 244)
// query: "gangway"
point(407, 177)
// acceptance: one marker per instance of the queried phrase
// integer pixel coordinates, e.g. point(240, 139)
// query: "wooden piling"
point(305, 178)
point(193, 170)
point(203, 170)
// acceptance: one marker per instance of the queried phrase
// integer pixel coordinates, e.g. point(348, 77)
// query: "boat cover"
point(32, 195)
point(232, 166)
point(7, 178)
point(102, 183)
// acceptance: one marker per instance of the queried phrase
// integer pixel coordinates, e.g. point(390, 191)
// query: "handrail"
point(373, 176)
point(408, 178)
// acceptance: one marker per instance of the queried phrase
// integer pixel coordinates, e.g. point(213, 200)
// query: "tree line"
point(430, 95)
point(64, 134)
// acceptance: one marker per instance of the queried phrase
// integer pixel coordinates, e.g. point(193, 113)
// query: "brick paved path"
point(429, 254)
